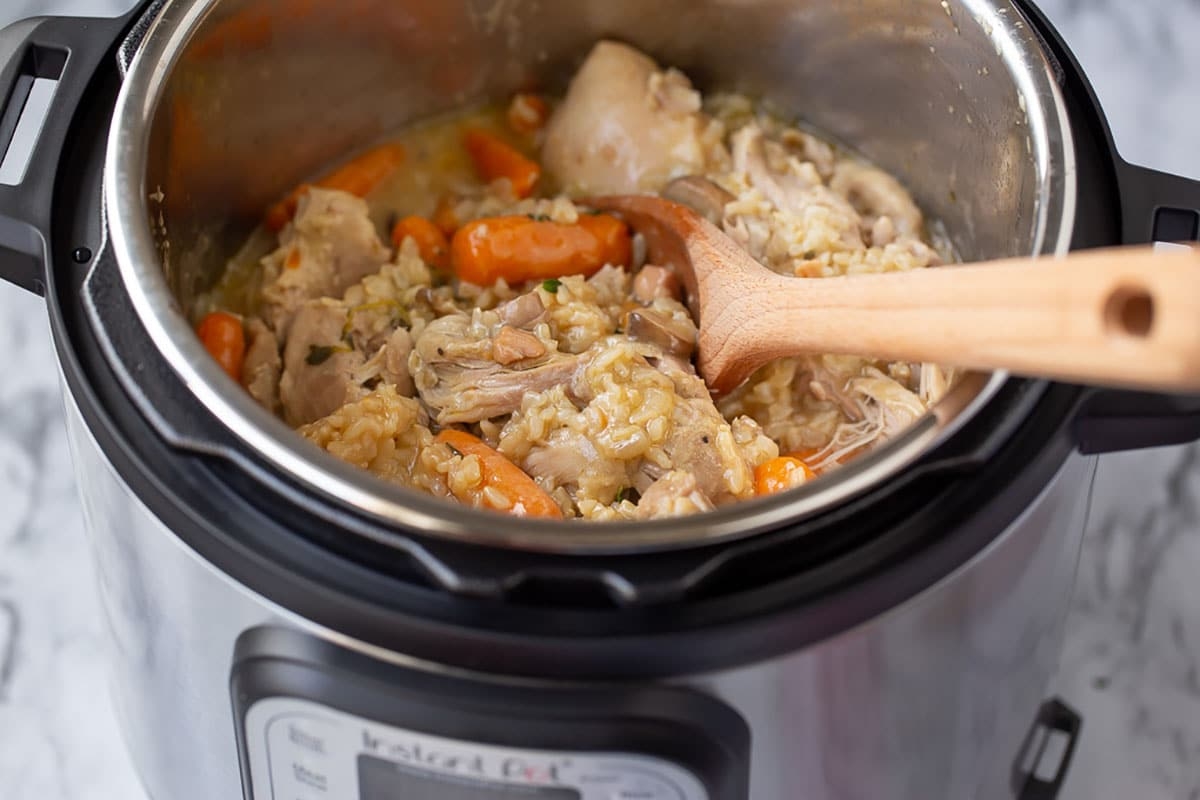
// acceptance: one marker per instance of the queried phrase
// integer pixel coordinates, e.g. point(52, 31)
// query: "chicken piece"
point(455, 370)
point(829, 380)
point(883, 232)
point(395, 363)
point(625, 126)
point(876, 195)
point(320, 371)
point(653, 282)
point(934, 382)
point(811, 149)
point(331, 245)
point(262, 366)
point(791, 186)
point(893, 407)
point(883, 408)
point(701, 442)
point(674, 494)
point(564, 459)
point(513, 344)
point(389, 364)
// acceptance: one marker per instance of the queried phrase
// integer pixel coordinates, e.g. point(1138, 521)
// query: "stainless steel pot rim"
point(127, 201)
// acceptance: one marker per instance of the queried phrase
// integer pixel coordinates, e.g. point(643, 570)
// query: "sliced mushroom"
point(522, 312)
point(672, 336)
point(701, 195)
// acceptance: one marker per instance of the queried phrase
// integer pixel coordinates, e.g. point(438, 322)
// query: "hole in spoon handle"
point(1129, 311)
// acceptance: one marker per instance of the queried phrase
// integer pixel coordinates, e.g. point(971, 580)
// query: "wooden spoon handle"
point(1120, 317)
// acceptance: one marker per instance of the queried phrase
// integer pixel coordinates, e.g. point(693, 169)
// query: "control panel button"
point(305, 739)
point(306, 776)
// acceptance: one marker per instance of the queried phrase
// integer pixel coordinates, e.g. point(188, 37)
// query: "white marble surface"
point(1131, 662)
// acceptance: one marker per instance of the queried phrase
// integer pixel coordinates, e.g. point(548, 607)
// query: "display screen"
point(379, 779)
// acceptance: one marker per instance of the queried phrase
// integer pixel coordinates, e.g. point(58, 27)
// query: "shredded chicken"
point(456, 372)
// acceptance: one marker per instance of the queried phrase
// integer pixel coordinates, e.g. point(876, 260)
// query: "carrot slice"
point(435, 250)
point(784, 472)
point(494, 158)
point(523, 249)
point(225, 341)
point(522, 496)
point(527, 113)
point(358, 177)
point(445, 216)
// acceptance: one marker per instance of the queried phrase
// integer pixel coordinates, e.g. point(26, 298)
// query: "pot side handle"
point(68, 51)
point(1160, 208)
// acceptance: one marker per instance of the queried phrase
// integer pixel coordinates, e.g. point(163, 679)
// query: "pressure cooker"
point(283, 626)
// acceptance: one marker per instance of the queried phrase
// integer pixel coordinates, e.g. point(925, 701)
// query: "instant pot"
point(283, 626)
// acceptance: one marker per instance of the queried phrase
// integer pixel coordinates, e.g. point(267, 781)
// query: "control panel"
point(317, 721)
point(301, 750)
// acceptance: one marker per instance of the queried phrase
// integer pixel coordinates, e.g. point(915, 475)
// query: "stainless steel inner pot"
point(229, 103)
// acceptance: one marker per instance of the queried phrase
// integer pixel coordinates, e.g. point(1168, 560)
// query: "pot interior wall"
point(267, 92)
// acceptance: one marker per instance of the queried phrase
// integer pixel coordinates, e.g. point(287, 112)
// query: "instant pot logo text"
point(462, 761)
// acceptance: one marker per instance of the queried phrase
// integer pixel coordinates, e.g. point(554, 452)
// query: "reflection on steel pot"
point(284, 626)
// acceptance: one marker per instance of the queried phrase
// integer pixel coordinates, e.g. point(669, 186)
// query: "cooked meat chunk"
point(792, 186)
point(513, 344)
point(563, 459)
point(395, 363)
point(675, 494)
point(389, 364)
point(811, 149)
point(702, 442)
point(320, 371)
point(876, 194)
point(625, 126)
point(653, 282)
point(456, 372)
point(331, 245)
point(262, 366)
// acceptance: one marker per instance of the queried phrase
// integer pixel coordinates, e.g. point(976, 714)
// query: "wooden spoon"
point(1126, 317)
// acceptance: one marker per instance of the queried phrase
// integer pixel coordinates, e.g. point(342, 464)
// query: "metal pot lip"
point(128, 207)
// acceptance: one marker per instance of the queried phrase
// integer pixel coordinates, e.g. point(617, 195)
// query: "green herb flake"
point(539, 217)
point(319, 354)
point(552, 285)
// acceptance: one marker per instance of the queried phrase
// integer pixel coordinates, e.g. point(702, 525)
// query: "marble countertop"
point(1131, 662)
